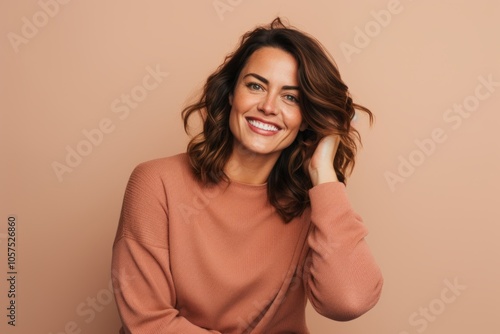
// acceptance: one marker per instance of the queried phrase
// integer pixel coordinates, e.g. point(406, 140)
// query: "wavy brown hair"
point(325, 103)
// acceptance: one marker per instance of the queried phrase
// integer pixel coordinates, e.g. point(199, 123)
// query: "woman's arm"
point(343, 281)
point(143, 285)
point(342, 278)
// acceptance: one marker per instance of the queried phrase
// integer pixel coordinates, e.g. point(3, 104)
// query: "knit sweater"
point(219, 259)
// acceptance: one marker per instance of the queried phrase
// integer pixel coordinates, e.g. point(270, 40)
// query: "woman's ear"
point(303, 126)
point(231, 99)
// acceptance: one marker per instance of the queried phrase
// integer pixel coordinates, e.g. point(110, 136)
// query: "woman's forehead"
point(272, 64)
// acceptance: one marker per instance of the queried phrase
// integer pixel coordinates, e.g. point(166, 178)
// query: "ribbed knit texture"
point(220, 260)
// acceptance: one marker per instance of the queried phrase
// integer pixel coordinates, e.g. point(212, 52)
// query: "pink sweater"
point(220, 260)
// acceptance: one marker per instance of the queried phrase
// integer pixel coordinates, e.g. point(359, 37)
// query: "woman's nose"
point(268, 105)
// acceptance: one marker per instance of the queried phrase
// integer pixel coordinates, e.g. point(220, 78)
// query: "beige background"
point(437, 223)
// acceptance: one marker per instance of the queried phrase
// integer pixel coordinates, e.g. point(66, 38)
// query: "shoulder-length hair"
point(326, 107)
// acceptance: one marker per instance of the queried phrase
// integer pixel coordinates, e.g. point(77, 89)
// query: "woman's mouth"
point(262, 127)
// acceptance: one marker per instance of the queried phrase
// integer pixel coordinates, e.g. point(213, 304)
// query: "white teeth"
point(263, 126)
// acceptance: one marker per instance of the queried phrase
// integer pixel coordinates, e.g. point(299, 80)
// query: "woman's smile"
point(262, 127)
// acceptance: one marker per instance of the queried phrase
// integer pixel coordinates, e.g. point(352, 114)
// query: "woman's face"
point(265, 115)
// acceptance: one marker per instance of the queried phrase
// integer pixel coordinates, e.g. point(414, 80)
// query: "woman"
point(236, 234)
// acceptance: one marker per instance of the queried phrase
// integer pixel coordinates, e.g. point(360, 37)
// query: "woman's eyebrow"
point(264, 80)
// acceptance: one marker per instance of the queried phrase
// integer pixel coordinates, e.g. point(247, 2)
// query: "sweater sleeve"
point(142, 281)
point(342, 279)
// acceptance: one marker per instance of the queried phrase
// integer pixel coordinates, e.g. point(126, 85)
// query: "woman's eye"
point(291, 98)
point(254, 86)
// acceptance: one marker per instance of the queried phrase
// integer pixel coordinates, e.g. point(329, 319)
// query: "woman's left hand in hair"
point(321, 164)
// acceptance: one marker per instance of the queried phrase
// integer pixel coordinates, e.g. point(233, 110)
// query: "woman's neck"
point(248, 167)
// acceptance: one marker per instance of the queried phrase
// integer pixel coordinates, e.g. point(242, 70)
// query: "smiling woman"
point(265, 114)
point(236, 235)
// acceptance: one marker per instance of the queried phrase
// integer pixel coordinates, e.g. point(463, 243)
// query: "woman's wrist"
point(323, 175)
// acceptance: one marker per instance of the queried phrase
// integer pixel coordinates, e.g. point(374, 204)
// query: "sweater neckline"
point(247, 186)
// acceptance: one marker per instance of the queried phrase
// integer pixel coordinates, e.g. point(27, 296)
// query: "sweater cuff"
point(328, 199)
point(328, 192)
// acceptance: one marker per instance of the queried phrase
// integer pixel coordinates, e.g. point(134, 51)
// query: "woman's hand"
point(321, 164)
